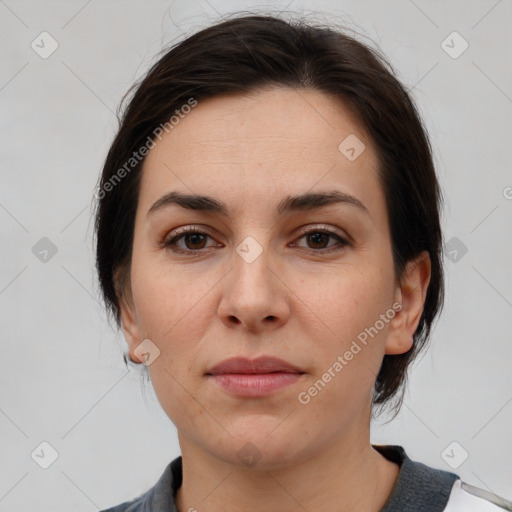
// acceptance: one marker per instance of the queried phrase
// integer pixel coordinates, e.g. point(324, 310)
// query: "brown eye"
point(319, 240)
point(194, 240)
point(188, 240)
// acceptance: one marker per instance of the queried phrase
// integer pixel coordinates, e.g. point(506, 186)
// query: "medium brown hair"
point(249, 52)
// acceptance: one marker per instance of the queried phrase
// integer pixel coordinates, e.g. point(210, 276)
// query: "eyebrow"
point(302, 202)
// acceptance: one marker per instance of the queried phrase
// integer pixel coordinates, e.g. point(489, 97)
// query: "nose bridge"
point(252, 295)
point(251, 268)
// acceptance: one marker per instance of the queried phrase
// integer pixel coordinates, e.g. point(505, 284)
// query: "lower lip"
point(255, 384)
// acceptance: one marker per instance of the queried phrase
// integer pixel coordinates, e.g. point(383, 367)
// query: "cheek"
point(348, 300)
point(174, 310)
point(176, 392)
point(348, 334)
point(167, 301)
point(349, 346)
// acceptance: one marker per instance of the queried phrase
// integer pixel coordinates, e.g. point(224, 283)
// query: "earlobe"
point(129, 320)
point(411, 293)
point(130, 329)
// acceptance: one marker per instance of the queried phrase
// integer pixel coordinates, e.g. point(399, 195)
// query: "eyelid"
point(325, 228)
point(170, 240)
point(197, 228)
point(321, 227)
point(183, 230)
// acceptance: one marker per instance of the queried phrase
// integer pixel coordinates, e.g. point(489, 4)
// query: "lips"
point(260, 365)
point(257, 378)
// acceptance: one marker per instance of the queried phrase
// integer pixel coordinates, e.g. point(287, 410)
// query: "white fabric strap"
point(466, 498)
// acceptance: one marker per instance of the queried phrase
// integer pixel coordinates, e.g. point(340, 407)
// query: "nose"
point(254, 297)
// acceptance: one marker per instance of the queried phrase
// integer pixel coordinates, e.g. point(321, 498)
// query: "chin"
point(258, 450)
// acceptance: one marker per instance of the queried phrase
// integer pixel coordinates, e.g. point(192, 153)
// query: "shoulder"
point(465, 498)
point(421, 488)
point(136, 505)
point(160, 497)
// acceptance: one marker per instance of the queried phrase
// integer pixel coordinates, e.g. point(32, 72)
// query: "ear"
point(128, 312)
point(411, 293)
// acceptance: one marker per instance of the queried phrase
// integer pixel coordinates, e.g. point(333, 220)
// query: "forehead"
point(264, 143)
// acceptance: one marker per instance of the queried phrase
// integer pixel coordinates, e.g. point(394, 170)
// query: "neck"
point(347, 475)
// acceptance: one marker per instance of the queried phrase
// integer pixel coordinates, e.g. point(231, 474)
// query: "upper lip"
point(263, 364)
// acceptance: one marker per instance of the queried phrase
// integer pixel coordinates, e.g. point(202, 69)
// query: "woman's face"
point(266, 275)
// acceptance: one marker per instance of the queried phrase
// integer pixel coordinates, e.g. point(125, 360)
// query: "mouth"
point(263, 376)
point(260, 365)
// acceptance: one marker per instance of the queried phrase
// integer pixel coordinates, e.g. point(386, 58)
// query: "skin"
point(303, 300)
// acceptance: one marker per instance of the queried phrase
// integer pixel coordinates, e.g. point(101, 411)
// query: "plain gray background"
point(62, 379)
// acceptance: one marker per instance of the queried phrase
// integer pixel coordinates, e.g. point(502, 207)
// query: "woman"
point(268, 238)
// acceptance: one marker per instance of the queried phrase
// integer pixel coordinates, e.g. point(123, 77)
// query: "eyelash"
point(190, 230)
